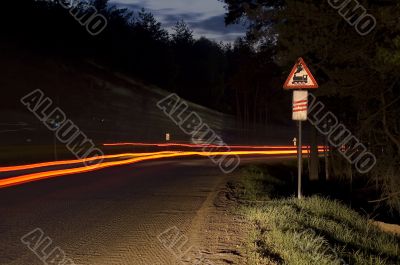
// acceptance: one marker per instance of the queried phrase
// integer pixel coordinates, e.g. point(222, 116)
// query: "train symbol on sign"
point(299, 79)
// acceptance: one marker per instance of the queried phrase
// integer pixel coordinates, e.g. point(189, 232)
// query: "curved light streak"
point(76, 161)
point(17, 180)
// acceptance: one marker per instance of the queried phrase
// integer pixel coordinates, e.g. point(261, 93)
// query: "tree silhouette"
point(183, 35)
point(358, 75)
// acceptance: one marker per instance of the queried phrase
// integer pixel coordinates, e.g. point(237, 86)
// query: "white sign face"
point(300, 77)
point(300, 105)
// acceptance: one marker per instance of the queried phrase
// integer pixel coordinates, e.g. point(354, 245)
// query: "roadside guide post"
point(300, 79)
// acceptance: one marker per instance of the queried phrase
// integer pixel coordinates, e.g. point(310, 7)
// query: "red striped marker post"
point(300, 111)
point(300, 105)
point(300, 79)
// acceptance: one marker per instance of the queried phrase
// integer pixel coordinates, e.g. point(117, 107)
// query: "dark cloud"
point(203, 24)
point(170, 20)
point(216, 24)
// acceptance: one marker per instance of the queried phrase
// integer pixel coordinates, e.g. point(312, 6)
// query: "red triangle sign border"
point(288, 86)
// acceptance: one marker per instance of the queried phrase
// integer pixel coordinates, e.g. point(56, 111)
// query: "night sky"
point(205, 17)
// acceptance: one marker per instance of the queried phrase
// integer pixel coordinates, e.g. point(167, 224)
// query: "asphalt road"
point(111, 216)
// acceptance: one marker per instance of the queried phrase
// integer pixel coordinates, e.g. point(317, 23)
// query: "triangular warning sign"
point(300, 77)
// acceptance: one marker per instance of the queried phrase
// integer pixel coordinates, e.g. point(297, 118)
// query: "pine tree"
point(182, 35)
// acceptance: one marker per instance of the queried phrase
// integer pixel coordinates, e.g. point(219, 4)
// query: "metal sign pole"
point(300, 162)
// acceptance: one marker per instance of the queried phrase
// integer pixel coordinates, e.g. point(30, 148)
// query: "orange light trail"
point(17, 180)
point(76, 161)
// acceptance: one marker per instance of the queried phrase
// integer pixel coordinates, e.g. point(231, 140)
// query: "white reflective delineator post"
point(300, 109)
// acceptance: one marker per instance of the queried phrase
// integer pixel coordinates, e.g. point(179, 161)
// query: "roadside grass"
point(314, 230)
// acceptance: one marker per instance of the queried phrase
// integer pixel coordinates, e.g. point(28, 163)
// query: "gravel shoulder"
point(218, 230)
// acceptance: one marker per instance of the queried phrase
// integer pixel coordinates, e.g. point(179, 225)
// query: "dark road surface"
point(111, 216)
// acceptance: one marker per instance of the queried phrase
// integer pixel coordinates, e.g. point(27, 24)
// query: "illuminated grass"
point(313, 230)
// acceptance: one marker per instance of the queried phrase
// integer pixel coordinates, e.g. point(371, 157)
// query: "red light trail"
point(205, 145)
point(123, 159)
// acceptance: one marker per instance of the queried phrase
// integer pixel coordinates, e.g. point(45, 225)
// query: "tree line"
point(234, 78)
point(357, 66)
